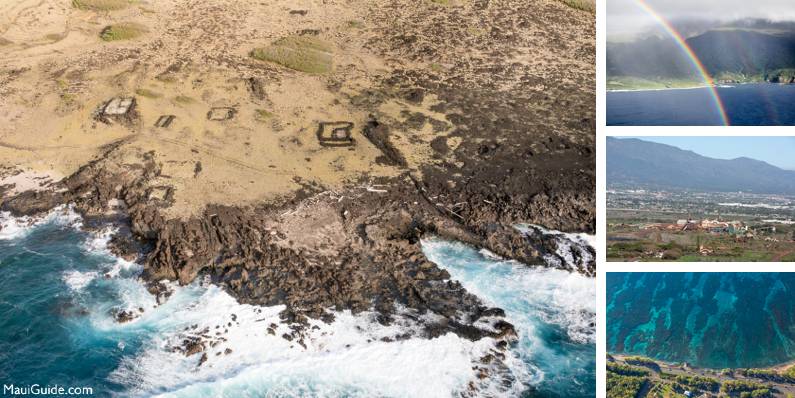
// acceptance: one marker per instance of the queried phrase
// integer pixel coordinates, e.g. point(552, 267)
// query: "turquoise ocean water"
point(714, 320)
point(61, 287)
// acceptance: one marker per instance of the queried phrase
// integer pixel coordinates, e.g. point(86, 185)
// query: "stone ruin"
point(120, 110)
point(165, 121)
point(221, 113)
point(335, 134)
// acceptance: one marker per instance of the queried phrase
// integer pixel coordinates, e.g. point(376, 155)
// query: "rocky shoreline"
point(356, 249)
point(332, 179)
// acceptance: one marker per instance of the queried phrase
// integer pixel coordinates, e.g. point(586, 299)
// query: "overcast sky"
point(625, 17)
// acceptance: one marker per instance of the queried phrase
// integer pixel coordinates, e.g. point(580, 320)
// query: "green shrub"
point(740, 386)
point(642, 361)
point(699, 382)
point(768, 374)
point(626, 370)
point(619, 386)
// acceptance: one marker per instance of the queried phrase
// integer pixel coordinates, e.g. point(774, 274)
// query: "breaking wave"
point(246, 355)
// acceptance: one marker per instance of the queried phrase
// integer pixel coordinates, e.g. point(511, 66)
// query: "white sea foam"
point(97, 244)
point(537, 301)
point(534, 299)
point(77, 280)
point(568, 299)
point(569, 246)
point(346, 357)
point(17, 227)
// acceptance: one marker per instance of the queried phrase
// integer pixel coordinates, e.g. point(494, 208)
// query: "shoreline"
point(200, 349)
point(725, 85)
point(781, 367)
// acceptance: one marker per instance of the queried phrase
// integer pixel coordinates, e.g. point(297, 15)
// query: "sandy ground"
point(55, 71)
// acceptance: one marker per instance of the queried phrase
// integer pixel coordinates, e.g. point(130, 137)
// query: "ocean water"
point(714, 320)
point(746, 105)
point(61, 287)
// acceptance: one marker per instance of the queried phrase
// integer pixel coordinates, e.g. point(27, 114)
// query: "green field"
point(637, 83)
point(627, 241)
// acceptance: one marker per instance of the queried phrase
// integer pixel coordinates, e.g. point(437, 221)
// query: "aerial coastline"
point(296, 158)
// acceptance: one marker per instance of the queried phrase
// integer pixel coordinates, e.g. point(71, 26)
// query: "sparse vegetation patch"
point(122, 31)
point(143, 92)
point(263, 115)
point(184, 99)
point(302, 53)
point(101, 5)
point(585, 5)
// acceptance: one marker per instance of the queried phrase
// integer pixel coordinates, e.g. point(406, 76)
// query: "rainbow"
point(680, 41)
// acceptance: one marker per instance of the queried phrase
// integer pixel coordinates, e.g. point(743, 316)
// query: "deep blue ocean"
point(714, 320)
point(746, 105)
point(61, 287)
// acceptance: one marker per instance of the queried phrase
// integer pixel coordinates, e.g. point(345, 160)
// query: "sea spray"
point(17, 227)
point(84, 286)
point(553, 311)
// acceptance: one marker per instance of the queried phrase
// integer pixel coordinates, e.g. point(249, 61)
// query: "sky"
point(777, 151)
point(625, 17)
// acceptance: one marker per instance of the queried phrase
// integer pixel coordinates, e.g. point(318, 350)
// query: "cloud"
point(626, 17)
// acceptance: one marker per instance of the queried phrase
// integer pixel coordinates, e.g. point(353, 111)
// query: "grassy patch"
point(62, 84)
point(143, 92)
point(68, 98)
point(122, 31)
point(302, 53)
point(474, 31)
point(619, 386)
point(643, 361)
point(53, 37)
point(263, 115)
point(184, 99)
point(637, 83)
point(101, 5)
point(584, 5)
point(355, 24)
point(167, 78)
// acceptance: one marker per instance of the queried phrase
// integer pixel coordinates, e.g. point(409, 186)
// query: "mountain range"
point(727, 53)
point(634, 162)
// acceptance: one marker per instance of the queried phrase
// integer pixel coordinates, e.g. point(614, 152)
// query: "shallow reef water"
point(714, 320)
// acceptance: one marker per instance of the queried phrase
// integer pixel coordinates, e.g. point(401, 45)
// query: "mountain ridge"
point(728, 54)
point(633, 161)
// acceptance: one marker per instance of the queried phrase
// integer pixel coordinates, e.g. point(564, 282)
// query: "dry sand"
point(55, 71)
